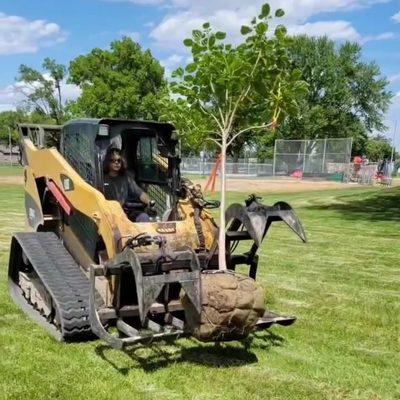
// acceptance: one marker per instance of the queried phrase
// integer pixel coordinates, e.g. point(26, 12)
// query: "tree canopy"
point(347, 97)
point(124, 81)
point(378, 148)
point(43, 90)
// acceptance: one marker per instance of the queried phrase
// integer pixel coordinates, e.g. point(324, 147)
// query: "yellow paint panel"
point(113, 225)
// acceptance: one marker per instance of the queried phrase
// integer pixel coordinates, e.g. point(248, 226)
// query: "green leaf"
point(197, 34)
point(188, 78)
point(196, 49)
point(188, 42)
point(280, 31)
point(265, 10)
point(220, 35)
point(244, 30)
point(211, 41)
point(190, 68)
point(279, 13)
point(261, 28)
point(206, 25)
point(178, 73)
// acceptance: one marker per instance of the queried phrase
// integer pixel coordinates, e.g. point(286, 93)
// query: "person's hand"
point(151, 209)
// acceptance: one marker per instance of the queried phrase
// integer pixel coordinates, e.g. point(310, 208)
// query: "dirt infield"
point(275, 185)
point(246, 185)
point(11, 180)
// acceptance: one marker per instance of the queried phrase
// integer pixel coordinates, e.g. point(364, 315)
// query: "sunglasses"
point(116, 160)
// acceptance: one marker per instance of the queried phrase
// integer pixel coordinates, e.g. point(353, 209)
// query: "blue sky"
point(31, 30)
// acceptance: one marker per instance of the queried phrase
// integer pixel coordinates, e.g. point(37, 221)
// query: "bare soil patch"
point(275, 185)
point(11, 180)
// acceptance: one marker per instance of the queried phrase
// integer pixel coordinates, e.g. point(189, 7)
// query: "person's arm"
point(144, 198)
point(136, 191)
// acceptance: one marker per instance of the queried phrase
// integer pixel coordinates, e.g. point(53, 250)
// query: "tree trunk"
point(235, 157)
point(221, 237)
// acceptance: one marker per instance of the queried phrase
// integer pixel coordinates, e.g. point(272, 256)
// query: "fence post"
point(273, 164)
point(323, 157)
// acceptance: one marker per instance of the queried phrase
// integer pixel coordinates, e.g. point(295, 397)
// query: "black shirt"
point(122, 188)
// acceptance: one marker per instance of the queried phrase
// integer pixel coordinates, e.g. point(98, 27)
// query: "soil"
point(231, 306)
point(11, 180)
point(249, 185)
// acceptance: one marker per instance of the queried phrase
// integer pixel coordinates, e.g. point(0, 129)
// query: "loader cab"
point(148, 147)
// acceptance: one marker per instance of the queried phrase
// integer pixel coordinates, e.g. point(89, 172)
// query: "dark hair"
point(110, 152)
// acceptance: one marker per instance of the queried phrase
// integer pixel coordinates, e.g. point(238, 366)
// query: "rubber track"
point(64, 280)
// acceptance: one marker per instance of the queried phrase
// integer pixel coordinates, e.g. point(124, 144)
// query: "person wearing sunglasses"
point(120, 185)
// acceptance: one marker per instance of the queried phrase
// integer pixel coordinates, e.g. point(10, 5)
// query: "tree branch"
point(215, 141)
point(211, 115)
point(248, 129)
point(244, 93)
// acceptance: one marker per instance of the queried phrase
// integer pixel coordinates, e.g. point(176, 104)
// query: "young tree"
point(124, 81)
point(43, 90)
point(226, 82)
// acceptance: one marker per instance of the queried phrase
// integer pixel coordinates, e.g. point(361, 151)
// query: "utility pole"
point(9, 141)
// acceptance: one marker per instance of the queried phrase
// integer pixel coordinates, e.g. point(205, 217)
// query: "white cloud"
point(12, 95)
point(171, 63)
point(18, 35)
point(396, 17)
point(335, 30)
point(394, 78)
point(229, 15)
point(382, 36)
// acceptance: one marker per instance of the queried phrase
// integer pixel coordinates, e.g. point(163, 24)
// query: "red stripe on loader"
point(60, 197)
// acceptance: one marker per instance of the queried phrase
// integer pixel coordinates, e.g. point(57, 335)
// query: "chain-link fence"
point(198, 166)
point(9, 156)
point(323, 158)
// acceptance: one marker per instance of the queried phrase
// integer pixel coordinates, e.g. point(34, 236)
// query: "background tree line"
point(315, 88)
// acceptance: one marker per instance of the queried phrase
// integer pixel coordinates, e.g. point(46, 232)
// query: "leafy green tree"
point(8, 124)
point(347, 97)
point(124, 81)
point(230, 84)
point(378, 148)
point(9, 121)
point(43, 93)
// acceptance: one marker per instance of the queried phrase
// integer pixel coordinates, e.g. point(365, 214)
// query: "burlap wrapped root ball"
point(231, 306)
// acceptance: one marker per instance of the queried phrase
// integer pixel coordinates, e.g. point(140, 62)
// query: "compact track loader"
point(87, 270)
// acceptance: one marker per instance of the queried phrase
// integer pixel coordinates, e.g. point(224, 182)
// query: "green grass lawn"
point(343, 285)
point(11, 170)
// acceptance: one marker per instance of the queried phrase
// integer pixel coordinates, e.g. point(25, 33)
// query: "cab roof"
point(164, 126)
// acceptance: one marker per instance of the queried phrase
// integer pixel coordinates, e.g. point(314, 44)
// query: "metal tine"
point(174, 322)
point(127, 329)
point(152, 325)
point(151, 338)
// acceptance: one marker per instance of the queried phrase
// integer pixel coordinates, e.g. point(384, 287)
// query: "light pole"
point(9, 141)
point(393, 142)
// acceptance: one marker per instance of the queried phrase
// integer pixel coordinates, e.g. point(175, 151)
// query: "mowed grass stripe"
point(342, 285)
